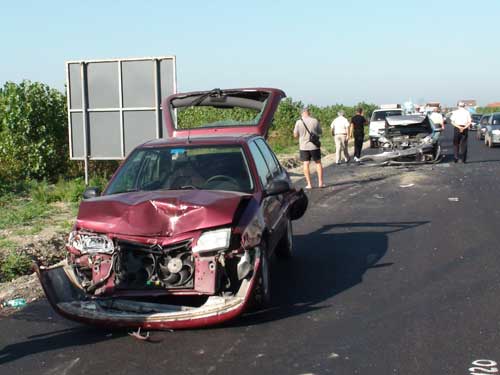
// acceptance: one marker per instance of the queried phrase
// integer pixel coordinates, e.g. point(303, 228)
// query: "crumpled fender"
point(392, 156)
point(70, 301)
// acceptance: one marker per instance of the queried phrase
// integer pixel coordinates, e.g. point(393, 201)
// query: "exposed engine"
point(138, 266)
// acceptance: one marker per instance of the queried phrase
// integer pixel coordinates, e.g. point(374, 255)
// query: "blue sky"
point(320, 52)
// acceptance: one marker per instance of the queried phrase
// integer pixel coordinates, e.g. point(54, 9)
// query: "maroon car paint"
point(158, 213)
point(165, 217)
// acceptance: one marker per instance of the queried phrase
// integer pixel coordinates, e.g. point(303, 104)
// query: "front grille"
point(140, 266)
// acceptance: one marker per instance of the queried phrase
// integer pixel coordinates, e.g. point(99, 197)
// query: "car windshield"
point(175, 168)
point(381, 115)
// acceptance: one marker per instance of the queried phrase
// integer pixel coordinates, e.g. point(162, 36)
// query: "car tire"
point(261, 294)
point(284, 249)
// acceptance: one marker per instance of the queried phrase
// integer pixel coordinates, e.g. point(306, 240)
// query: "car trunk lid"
point(262, 101)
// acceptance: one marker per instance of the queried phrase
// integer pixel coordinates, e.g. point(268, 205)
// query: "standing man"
point(437, 118)
point(357, 129)
point(308, 150)
point(461, 120)
point(340, 132)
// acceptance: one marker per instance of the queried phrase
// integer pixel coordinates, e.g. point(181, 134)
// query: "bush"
point(487, 110)
point(33, 132)
point(15, 265)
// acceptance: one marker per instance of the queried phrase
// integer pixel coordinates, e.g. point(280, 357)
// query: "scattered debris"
point(333, 356)
point(138, 336)
point(378, 196)
point(406, 186)
point(453, 199)
point(16, 303)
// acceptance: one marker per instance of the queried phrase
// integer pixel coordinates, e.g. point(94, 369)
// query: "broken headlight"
point(91, 242)
point(213, 240)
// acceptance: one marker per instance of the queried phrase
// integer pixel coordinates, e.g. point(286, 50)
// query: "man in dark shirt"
point(357, 130)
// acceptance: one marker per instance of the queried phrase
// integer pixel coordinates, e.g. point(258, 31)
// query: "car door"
point(270, 205)
point(279, 205)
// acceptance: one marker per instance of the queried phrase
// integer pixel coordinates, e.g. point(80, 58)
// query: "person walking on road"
point(304, 127)
point(437, 118)
point(340, 131)
point(357, 130)
point(461, 120)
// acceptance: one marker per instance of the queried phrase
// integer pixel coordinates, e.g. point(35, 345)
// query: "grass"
point(14, 265)
point(27, 209)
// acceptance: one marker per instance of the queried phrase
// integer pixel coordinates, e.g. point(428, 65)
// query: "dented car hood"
point(159, 213)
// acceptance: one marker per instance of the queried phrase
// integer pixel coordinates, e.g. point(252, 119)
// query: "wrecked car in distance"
point(183, 234)
point(408, 139)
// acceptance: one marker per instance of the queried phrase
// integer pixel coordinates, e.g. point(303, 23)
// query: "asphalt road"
point(390, 276)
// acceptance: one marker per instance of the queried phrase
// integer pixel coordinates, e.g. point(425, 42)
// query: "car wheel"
point(262, 289)
point(284, 250)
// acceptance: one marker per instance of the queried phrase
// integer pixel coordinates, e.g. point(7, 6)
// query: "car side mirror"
point(278, 187)
point(91, 192)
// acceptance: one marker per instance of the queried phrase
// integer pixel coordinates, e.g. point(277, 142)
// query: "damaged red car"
point(183, 234)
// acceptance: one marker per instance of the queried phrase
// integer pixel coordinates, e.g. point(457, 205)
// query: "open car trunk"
point(236, 111)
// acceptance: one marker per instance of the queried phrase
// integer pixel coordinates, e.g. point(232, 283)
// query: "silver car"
point(492, 134)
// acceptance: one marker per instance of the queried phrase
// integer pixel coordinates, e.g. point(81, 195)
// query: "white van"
point(377, 121)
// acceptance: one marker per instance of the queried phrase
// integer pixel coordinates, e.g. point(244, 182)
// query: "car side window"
point(270, 159)
point(260, 163)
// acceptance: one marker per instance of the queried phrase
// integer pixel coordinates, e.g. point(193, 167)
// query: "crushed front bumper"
point(428, 153)
point(70, 301)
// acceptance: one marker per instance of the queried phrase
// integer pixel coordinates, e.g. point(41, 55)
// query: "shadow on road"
point(326, 263)
point(55, 340)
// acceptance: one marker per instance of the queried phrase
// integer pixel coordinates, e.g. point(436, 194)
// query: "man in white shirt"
point(437, 118)
point(340, 131)
point(461, 120)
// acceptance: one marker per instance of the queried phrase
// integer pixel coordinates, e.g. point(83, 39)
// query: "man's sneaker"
point(356, 158)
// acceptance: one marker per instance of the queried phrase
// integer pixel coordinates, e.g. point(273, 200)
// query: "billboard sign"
point(115, 105)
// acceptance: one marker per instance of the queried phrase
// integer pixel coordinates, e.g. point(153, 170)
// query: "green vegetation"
point(14, 265)
point(33, 131)
point(486, 110)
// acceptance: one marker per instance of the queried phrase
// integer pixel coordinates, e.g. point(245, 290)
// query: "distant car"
point(492, 134)
point(377, 123)
point(481, 130)
point(408, 139)
point(476, 118)
point(183, 234)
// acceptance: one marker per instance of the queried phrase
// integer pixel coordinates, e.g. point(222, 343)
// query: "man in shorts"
point(309, 150)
